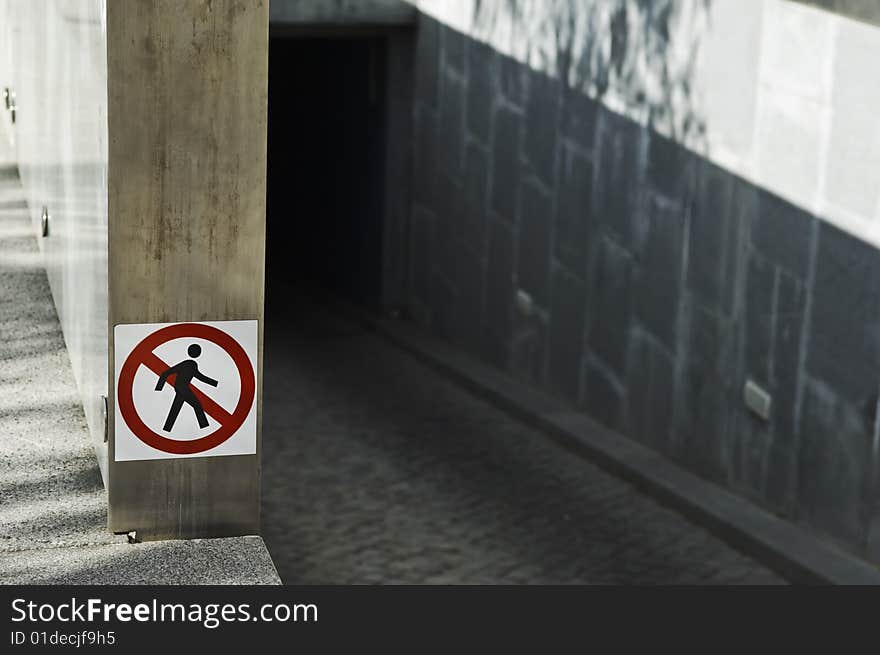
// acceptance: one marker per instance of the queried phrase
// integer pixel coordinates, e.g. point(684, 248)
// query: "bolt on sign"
point(185, 390)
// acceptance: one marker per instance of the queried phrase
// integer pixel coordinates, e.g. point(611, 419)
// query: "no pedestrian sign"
point(185, 390)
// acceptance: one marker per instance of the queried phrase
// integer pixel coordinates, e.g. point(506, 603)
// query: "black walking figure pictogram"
point(185, 372)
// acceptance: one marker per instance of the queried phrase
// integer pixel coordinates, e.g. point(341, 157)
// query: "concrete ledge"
point(341, 12)
point(863, 10)
point(236, 560)
point(794, 553)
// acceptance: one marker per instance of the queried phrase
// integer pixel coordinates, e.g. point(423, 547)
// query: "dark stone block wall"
point(595, 258)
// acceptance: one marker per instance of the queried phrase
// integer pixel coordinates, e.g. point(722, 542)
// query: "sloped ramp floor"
point(378, 469)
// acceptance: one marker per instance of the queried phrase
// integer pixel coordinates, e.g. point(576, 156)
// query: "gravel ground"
point(51, 494)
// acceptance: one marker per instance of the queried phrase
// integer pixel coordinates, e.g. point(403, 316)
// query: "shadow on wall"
point(620, 48)
point(589, 254)
point(863, 10)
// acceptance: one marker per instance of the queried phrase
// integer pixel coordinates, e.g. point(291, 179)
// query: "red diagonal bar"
point(215, 411)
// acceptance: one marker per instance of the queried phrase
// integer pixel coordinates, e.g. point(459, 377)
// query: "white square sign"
point(185, 390)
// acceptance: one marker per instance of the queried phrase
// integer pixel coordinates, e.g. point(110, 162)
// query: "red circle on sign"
point(145, 349)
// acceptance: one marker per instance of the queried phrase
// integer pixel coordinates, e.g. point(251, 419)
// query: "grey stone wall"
point(595, 258)
point(865, 10)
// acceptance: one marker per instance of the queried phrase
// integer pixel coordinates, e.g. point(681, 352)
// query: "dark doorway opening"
point(326, 168)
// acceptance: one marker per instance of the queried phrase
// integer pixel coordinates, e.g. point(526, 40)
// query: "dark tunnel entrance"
point(326, 139)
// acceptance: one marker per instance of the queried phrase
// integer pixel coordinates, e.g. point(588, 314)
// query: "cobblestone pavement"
point(378, 469)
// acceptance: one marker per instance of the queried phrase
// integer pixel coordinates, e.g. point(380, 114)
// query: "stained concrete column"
point(187, 103)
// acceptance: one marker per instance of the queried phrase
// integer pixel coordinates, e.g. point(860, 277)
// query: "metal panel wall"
point(187, 98)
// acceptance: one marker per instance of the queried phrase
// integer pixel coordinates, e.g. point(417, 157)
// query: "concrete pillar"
point(187, 103)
